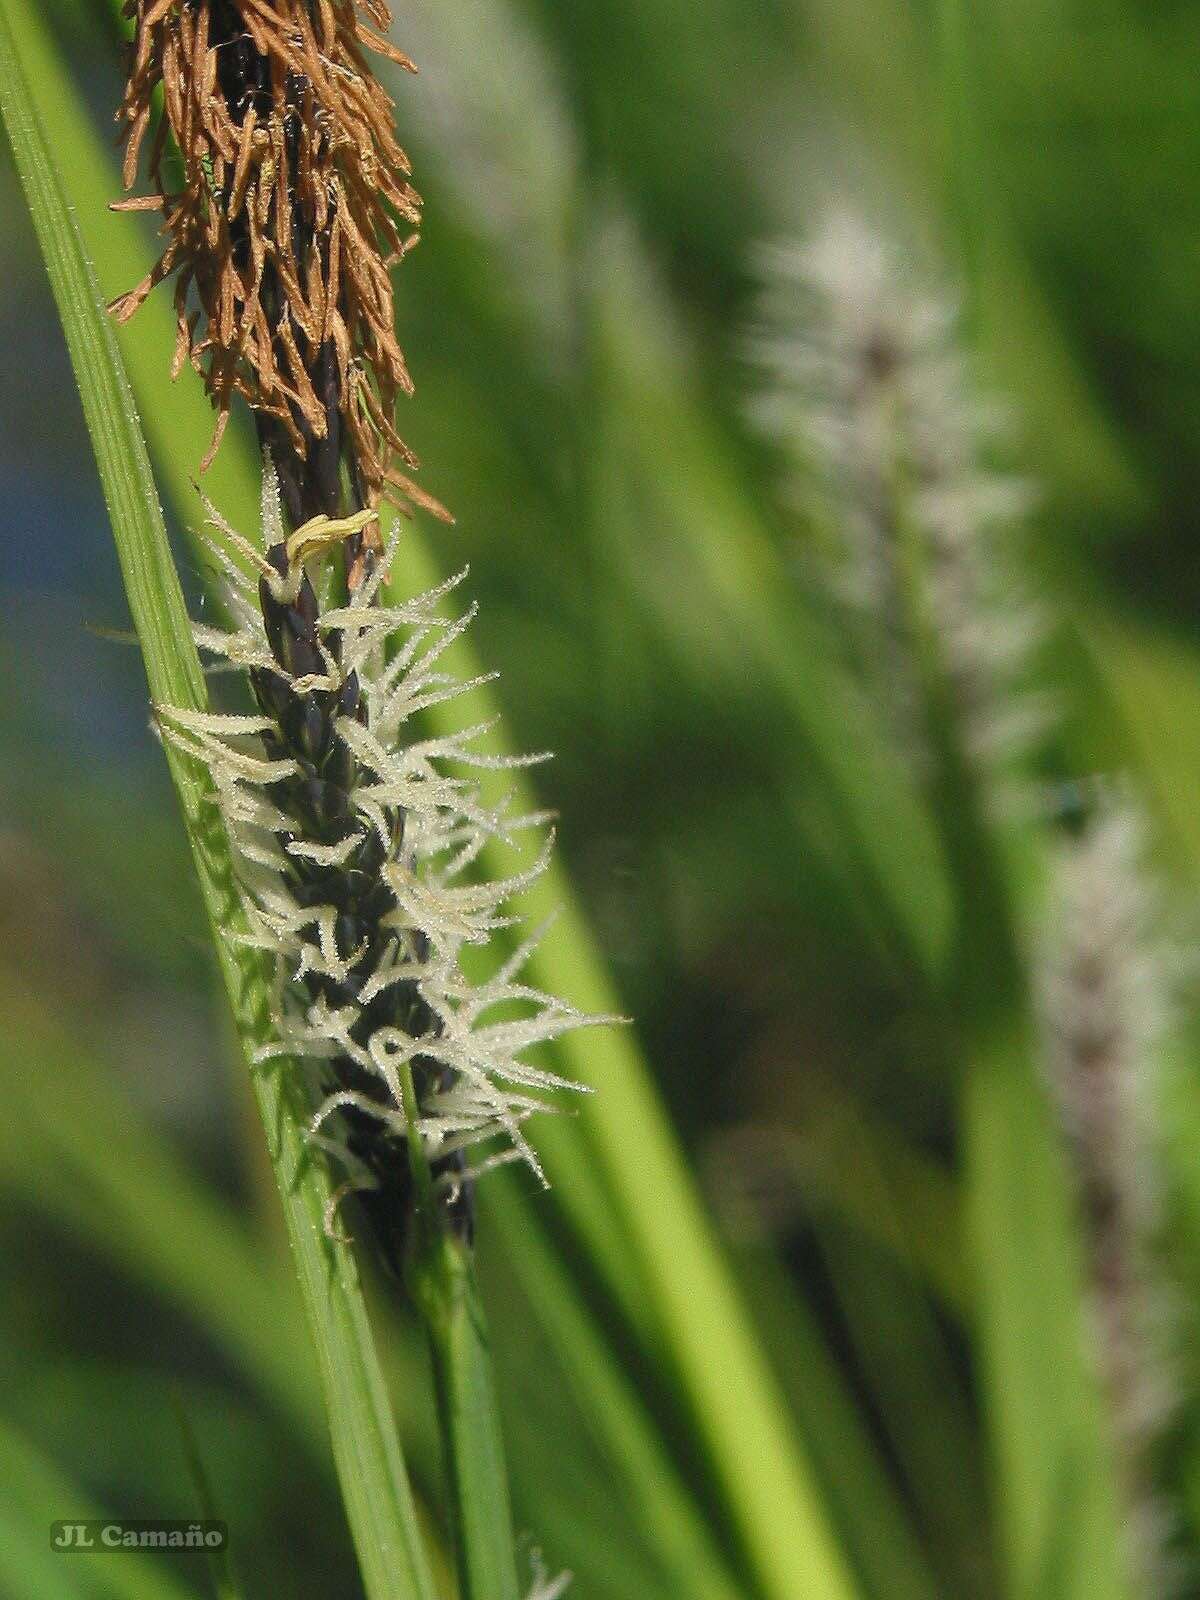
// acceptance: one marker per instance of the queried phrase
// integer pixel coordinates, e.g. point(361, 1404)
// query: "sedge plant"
point(681, 572)
point(617, 1170)
point(351, 837)
point(284, 223)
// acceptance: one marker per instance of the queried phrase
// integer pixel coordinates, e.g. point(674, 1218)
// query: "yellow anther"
point(323, 533)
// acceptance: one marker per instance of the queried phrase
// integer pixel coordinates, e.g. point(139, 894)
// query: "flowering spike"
point(869, 395)
point(350, 836)
point(1106, 1004)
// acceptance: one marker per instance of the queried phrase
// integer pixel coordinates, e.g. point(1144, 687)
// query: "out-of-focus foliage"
point(779, 901)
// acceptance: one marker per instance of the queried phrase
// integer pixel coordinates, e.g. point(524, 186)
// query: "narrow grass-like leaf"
point(1053, 1477)
point(921, 1401)
point(639, 1460)
point(866, 1506)
point(375, 1488)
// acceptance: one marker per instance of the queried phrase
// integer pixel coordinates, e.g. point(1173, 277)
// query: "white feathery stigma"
point(475, 1036)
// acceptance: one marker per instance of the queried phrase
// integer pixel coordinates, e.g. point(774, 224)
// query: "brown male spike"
point(286, 201)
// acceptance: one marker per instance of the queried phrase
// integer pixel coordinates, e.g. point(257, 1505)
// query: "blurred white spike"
point(1106, 979)
point(869, 397)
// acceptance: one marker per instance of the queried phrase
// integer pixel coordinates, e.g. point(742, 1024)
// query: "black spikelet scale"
point(319, 798)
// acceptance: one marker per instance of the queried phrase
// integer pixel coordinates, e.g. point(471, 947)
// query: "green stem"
point(443, 1285)
point(422, 1176)
point(441, 1280)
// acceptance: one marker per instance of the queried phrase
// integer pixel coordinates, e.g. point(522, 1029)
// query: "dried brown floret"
point(286, 201)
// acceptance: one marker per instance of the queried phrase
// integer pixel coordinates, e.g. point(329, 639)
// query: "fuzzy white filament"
point(480, 1029)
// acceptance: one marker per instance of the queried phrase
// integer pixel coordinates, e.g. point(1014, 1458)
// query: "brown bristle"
point(294, 200)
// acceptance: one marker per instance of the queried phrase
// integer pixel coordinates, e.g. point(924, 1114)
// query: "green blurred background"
point(597, 176)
